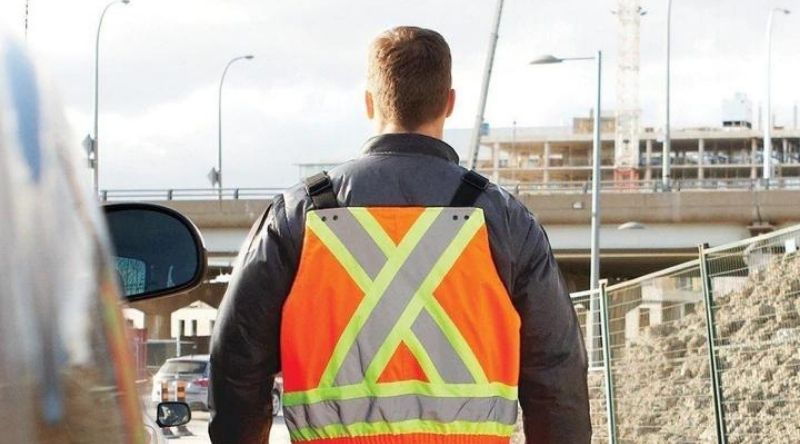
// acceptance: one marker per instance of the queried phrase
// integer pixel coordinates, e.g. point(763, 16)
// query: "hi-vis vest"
point(398, 328)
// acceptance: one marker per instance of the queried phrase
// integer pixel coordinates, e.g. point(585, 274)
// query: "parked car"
point(194, 371)
point(66, 373)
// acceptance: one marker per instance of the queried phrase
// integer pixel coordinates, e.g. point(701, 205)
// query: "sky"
point(301, 98)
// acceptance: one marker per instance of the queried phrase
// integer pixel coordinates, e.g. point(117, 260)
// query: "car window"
point(183, 367)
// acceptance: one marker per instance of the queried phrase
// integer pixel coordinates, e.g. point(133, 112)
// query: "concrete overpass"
point(670, 225)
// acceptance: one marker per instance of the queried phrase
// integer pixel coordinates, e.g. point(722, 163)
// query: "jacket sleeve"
point(245, 354)
point(552, 387)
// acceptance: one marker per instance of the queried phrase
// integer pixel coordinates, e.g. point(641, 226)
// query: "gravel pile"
point(662, 377)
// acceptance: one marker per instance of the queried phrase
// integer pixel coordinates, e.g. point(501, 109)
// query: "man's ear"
point(370, 105)
point(451, 102)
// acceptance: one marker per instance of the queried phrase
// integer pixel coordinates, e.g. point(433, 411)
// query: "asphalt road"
point(199, 429)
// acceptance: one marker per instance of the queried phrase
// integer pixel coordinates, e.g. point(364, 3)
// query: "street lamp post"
point(667, 146)
point(767, 174)
point(218, 174)
point(594, 278)
point(596, 148)
point(94, 148)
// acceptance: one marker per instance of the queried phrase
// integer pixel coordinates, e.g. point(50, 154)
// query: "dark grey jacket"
point(400, 170)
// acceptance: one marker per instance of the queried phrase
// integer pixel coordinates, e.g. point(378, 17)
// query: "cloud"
point(300, 99)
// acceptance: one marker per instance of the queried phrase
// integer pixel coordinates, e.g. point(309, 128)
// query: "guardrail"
point(654, 186)
point(705, 351)
point(190, 194)
point(638, 186)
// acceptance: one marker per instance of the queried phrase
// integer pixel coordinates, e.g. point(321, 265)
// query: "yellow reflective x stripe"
point(418, 351)
point(423, 298)
point(339, 251)
point(374, 291)
point(376, 232)
point(387, 245)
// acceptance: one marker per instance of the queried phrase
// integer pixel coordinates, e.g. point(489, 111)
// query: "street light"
point(667, 146)
point(594, 333)
point(595, 257)
point(217, 175)
point(93, 146)
point(768, 127)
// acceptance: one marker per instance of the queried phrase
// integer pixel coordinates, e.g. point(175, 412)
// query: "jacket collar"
point(410, 143)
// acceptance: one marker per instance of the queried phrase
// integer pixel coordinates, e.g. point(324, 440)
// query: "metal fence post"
point(606, 338)
point(719, 412)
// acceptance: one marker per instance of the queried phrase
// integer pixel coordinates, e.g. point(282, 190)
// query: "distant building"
point(196, 319)
point(552, 155)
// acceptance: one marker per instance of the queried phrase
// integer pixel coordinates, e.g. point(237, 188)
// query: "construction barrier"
point(180, 395)
point(702, 352)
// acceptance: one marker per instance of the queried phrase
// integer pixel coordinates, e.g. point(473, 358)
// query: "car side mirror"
point(157, 251)
point(173, 414)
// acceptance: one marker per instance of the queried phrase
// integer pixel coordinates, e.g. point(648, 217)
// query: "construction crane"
point(628, 112)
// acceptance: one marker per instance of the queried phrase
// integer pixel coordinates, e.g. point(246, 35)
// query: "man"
point(404, 299)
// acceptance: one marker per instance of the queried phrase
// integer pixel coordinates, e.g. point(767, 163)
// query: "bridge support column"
point(785, 155)
point(158, 325)
point(648, 154)
point(546, 162)
point(754, 159)
point(701, 154)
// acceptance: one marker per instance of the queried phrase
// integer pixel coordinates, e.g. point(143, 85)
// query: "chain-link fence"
point(706, 351)
point(587, 307)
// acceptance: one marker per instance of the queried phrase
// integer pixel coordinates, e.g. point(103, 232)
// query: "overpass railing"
point(637, 186)
point(705, 351)
point(190, 194)
point(653, 186)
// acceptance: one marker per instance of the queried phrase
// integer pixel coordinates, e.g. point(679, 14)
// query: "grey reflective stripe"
point(401, 408)
point(396, 297)
point(359, 243)
point(441, 352)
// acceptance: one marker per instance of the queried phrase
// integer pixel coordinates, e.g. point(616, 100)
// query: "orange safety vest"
point(398, 329)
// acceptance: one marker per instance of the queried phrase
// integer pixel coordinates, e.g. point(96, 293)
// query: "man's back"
point(407, 173)
point(414, 336)
point(405, 299)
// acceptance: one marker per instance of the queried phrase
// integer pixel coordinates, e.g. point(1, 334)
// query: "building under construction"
point(553, 157)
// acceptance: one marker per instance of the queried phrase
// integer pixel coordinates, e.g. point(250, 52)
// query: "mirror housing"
point(173, 414)
point(157, 251)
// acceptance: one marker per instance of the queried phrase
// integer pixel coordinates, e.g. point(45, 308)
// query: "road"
point(199, 429)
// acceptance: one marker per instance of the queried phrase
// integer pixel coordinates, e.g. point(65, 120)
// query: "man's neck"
point(434, 130)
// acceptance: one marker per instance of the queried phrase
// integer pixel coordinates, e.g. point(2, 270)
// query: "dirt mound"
point(662, 377)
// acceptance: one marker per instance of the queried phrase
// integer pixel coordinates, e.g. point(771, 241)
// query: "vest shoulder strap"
point(471, 187)
point(320, 189)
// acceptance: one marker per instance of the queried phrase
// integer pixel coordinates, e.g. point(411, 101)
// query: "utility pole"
point(475, 140)
point(667, 147)
point(767, 169)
